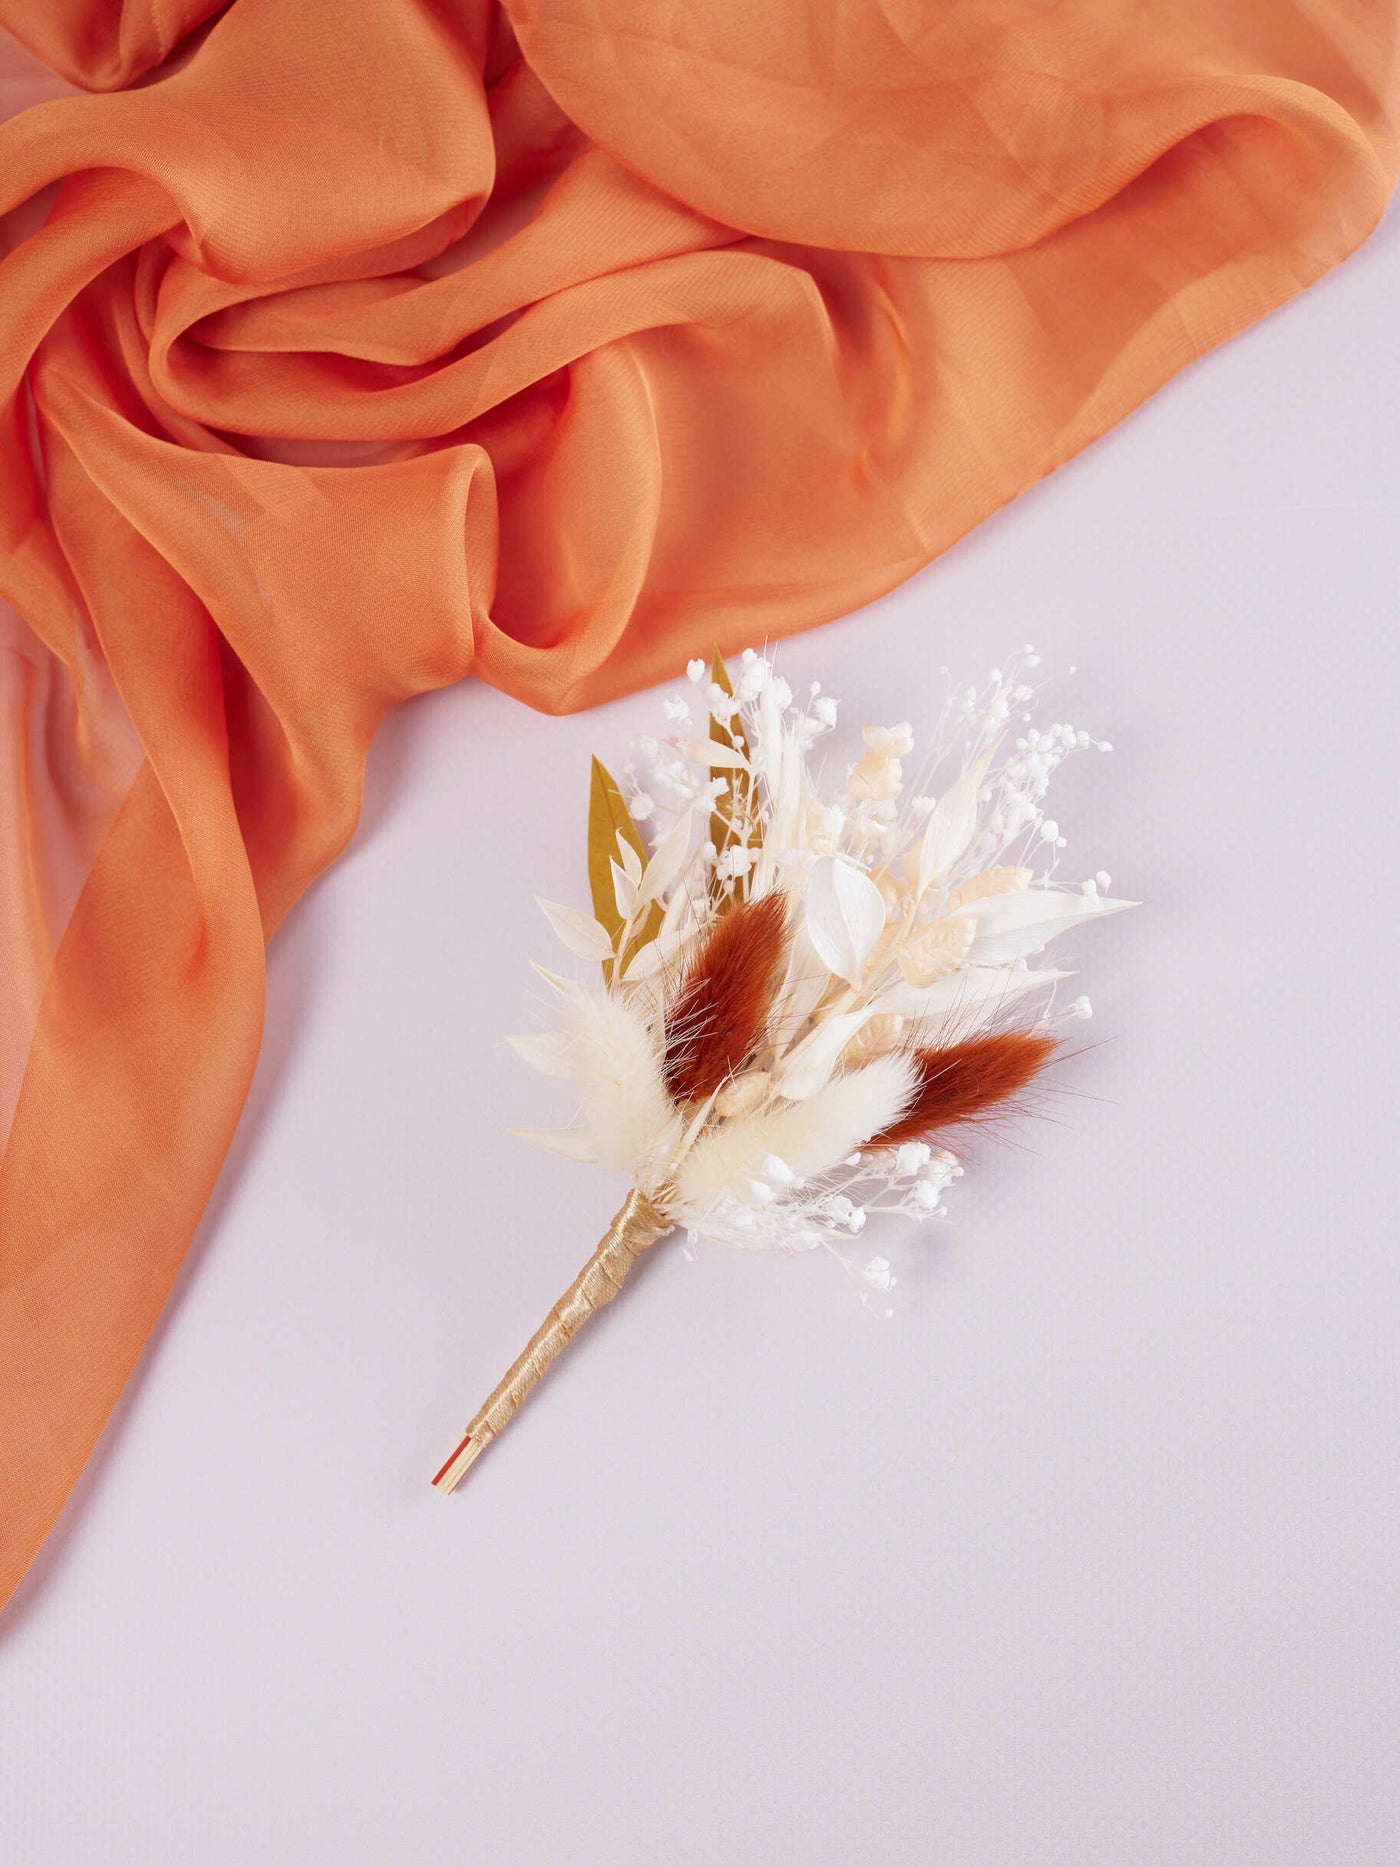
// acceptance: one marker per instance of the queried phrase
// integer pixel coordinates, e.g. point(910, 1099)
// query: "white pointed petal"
point(808, 1068)
point(805, 982)
point(953, 823)
point(770, 737)
point(566, 988)
point(631, 861)
point(624, 891)
point(572, 1143)
point(675, 913)
point(667, 860)
point(845, 916)
point(787, 804)
point(580, 933)
point(1010, 926)
point(645, 963)
point(718, 757)
point(545, 1051)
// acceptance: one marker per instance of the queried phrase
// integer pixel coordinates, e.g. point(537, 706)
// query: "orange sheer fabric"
point(358, 344)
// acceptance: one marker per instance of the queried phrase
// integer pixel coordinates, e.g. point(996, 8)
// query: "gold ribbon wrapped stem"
point(638, 1224)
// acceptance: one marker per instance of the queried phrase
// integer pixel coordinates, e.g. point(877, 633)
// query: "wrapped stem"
point(637, 1225)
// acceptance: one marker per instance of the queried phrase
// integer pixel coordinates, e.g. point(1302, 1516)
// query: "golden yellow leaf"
point(610, 823)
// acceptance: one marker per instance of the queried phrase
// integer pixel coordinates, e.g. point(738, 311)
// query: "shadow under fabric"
point(350, 347)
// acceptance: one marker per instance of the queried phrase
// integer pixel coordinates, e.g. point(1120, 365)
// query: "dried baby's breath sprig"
point(801, 995)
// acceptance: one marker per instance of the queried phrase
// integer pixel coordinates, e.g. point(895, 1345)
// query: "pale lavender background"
point(1088, 1559)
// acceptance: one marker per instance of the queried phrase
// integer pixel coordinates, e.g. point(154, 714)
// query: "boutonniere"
point(810, 978)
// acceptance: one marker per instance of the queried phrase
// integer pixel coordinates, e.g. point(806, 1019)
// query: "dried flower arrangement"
point(799, 998)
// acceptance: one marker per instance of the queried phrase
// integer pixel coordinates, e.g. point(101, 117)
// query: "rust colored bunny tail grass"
point(963, 1082)
point(721, 1010)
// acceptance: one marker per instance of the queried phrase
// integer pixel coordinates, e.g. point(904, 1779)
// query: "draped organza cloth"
point(350, 346)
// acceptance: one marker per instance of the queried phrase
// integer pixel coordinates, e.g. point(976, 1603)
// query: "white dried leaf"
point(965, 1001)
point(631, 861)
point(667, 860)
point(648, 960)
point(770, 738)
point(1010, 926)
point(787, 806)
point(845, 916)
point(807, 1068)
point(624, 890)
point(742, 1094)
point(953, 823)
point(548, 1052)
point(566, 988)
point(580, 933)
point(678, 912)
point(805, 984)
point(572, 1143)
point(717, 756)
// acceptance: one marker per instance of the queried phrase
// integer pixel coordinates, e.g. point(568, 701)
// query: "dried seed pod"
point(742, 1094)
point(873, 1039)
point(935, 949)
point(1007, 881)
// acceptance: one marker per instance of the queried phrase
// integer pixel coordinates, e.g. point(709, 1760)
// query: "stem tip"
point(460, 1463)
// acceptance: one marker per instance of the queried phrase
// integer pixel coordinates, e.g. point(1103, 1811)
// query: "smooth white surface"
point(1087, 1559)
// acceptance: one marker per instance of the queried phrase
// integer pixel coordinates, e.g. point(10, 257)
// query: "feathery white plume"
point(810, 1137)
point(616, 1063)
